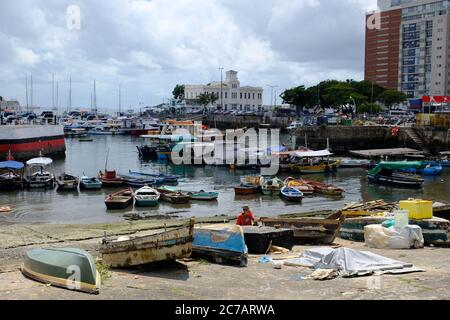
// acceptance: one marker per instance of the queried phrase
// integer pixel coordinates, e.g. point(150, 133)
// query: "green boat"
point(196, 195)
point(68, 268)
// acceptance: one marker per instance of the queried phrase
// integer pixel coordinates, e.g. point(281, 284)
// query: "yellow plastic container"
point(418, 209)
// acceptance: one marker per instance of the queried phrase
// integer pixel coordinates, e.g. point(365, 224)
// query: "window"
point(241, 95)
point(253, 96)
point(226, 95)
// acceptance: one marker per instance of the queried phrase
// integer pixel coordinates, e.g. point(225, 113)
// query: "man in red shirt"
point(246, 218)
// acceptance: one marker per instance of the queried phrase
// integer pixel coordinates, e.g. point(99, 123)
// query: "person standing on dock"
point(246, 218)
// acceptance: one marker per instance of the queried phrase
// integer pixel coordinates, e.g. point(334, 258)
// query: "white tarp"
point(377, 236)
point(347, 262)
point(312, 154)
point(40, 162)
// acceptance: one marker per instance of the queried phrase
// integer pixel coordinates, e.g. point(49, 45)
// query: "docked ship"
point(26, 142)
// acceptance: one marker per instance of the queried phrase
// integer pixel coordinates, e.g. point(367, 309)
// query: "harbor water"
point(84, 207)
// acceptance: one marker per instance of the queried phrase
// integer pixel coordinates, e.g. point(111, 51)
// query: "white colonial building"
point(234, 96)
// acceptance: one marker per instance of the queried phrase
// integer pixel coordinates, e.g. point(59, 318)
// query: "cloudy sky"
point(148, 47)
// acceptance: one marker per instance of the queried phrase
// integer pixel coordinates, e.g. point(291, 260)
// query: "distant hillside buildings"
point(410, 50)
point(234, 96)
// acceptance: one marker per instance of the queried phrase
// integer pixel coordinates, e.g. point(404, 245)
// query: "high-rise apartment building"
point(408, 46)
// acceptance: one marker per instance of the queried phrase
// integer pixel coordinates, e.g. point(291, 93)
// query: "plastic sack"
point(379, 237)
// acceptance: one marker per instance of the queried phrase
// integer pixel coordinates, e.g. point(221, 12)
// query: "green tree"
point(391, 97)
point(207, 98)
point(298, 97)
point(178, 92)
point(371, 108)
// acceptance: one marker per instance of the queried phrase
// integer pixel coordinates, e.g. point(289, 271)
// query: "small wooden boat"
point(256, 181)
point(326, 189)
point(10, 178)
point(292, 194)
point(5, 209)
point(259, 239)
point(245, 189)
point(163, 245)
point(354, 163)
point(110, 179)
point(310, 230)
point(90, 183)
point(300, 185)
point(67, 182)
point(272, 187)
point(68, 268)
point(176, 197)
point(222, 242)
point(146, 197)
point(322, 167)
point(139, 182)
point(120, 199)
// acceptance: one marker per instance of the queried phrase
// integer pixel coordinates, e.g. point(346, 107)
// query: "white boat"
point(354, 163)
point(295, 125)
point(37, 176)
point(146, 197)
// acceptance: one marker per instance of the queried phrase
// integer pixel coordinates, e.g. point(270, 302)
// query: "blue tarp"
point(11, 165)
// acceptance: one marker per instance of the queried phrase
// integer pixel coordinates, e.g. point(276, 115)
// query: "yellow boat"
point(323, 167)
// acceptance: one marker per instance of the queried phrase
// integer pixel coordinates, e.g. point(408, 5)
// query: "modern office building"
point(234, 97)
point(408, 46)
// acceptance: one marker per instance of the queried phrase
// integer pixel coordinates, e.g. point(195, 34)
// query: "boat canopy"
point(39, 162)
point(11, 165)
point(170, 137)
point(312, 154)
point(395, 165)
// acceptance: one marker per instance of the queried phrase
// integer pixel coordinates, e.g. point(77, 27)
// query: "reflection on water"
point(88, 206)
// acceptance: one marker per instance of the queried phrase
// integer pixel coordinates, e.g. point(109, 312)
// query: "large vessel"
point(26, 142)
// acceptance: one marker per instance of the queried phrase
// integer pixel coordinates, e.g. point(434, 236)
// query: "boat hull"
point(146, 202)
point(117, 205)
point(167, 245)
point(55, 267)
point(222, 242)
point(321, 168)
point(395, 181)
point(245, 190)
point(309, 230)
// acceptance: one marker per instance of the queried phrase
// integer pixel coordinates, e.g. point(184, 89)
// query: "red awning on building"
point(436, 99)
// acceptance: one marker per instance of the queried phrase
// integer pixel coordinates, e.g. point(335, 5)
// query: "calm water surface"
point(88, 207)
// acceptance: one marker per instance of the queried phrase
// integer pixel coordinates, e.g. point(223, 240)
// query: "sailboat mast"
point(26, 92)
point(57, 95)
point(70, 94)
point(120, 98)
point(31, 99)
point(53, 92)
point(95, 97)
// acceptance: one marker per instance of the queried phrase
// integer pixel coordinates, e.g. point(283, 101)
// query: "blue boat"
point(223, 242)
point(292, 194)
point(90, 183)
point(139, 182)
point(432, 169)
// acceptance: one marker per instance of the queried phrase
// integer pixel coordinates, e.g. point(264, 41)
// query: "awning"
point(11, 165)
point(39, 162)
point(396, 166)
point(312, 154)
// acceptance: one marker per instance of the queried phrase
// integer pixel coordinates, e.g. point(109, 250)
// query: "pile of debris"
point(368, 208)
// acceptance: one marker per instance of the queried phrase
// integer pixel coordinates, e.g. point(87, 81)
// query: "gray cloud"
point(149, 46)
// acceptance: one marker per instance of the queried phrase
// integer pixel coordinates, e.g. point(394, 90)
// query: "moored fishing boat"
point(326, 189)
point(175, 197)
point(432, 169)
point(354, 163)
point(305, 162)
point(162, 245)
point(90, 183)
point(310, 230)
point(37, 175)
point(272, 187)
point(244, 189)
point(120, 199)
point(300, 185)
point(67, 182)
point(221, 242)
point(56, 266)
point(291, 194)
point(146, 197)
point(139, 182)
point(110, 179)
point(11, 175)
point(389, 173)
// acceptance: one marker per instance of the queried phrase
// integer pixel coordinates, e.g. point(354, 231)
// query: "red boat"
point(245, 189)
point(110, 179)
